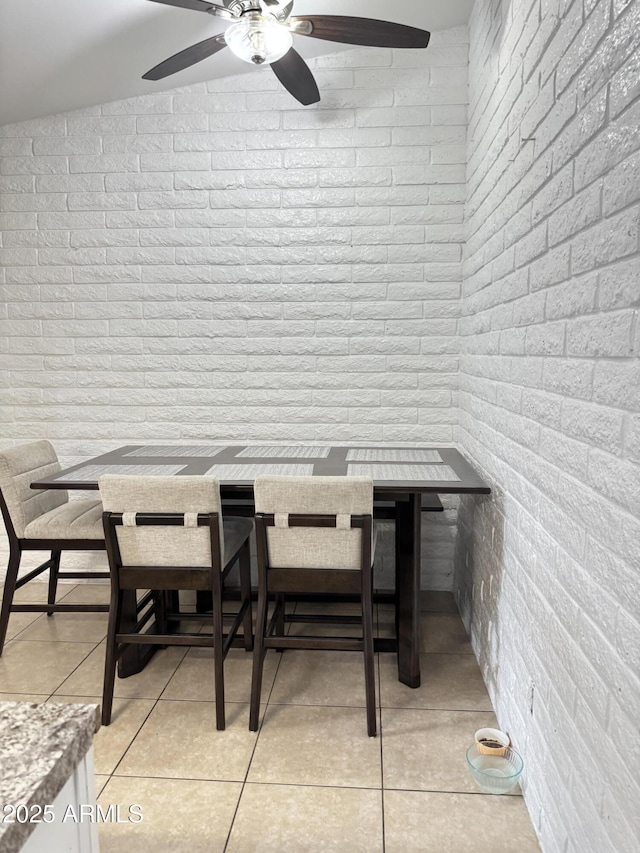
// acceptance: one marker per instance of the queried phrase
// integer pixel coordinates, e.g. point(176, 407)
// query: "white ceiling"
point(59, 55)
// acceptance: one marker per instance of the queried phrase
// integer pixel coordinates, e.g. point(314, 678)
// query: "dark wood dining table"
point(406, 480)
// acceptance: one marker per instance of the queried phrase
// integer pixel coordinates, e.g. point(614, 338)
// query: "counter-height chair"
point(314, 535)
point(43, 520)
point(166, 534)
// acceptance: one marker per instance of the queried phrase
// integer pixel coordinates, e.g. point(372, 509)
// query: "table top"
point(393, 469)
point(40, 747)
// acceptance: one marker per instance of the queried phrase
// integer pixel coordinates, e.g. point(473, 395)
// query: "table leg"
point(408, 517)
point(135, 657)
point(204, 601)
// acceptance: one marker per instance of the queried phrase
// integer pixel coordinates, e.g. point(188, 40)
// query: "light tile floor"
point(310, 779)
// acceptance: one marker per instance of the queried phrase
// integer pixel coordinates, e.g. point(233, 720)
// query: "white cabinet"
point(74, 829)
point(47, 781)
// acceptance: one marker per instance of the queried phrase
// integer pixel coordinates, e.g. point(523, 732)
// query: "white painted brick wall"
point(547, 570)
point(218, 263)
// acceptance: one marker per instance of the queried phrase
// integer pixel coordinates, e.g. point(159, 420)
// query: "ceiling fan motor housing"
point(278, 9)
point(239, 7)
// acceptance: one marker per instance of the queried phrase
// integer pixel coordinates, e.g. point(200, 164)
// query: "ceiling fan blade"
point(199, 6)
point(295, 75)
point(364, 31)
point(188, 56)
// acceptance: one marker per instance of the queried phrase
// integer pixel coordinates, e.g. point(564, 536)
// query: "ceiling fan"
point(261, 32)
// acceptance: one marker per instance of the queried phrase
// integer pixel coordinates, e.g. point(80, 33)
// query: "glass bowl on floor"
point(495, 774)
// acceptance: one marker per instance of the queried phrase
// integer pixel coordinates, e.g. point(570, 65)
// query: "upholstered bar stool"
point(43, 520)
point(314, 535)
point(166, 534)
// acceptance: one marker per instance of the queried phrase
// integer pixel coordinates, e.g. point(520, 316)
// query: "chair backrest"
point(338, 547)
point(19, 467)
point(186, 545)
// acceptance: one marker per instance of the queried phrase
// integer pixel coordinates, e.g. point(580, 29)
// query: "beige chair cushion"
point(314, 547)
point(163, 545)
point(81, 519)
point(19, 467)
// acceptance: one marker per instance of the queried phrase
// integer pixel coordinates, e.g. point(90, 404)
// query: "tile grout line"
point(384, 844)
point(155, 703)
point(253, 751)
point(131, 742)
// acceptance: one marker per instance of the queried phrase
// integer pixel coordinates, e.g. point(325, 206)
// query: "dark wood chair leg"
point(115, 612)
point(218, 651)
point(161, 607)
point(53, 579)
point(369, 660)
point(134, 657)
point(9, 589)
point(258, 656)
point(280, 605)
point(160, 610)
point(244, 568)
point(171, 600)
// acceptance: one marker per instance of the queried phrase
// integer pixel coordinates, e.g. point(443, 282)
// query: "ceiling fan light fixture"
point(257, 39)
point(262, 33)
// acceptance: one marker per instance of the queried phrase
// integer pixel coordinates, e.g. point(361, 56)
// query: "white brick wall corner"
point(547, 570)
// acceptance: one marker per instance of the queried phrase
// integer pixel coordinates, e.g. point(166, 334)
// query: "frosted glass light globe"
point(258, 39)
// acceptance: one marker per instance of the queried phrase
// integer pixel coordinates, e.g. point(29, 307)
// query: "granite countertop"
point(40, 747)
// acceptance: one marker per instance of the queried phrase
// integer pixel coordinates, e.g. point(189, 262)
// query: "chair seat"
point(81, 519)
point(236, 531)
